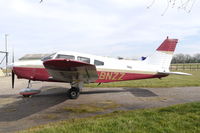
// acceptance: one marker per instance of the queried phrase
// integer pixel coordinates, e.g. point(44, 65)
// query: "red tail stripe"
point(168, 45)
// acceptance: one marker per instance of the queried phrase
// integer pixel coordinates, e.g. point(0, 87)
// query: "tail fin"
point(163, 55)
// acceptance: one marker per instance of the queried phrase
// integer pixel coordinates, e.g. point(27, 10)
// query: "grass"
point(169, 81)
point(91, 108)
point(183, 118)
point(49, 116)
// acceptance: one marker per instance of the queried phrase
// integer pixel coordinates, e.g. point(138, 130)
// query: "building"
point(1, 72)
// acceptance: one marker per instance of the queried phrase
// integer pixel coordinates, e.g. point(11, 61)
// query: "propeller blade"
point(13, 79)
point(13, 74)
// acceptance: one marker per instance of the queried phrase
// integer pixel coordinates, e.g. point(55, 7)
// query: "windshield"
point(48, 57)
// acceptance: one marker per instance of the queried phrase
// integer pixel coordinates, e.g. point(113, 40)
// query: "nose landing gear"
point(27, 92)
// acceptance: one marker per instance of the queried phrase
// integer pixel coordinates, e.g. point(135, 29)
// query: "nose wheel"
point(74, 93)
point(26, 96)
point(27, 92)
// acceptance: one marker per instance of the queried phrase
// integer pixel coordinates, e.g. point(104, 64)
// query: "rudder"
point(163, 55)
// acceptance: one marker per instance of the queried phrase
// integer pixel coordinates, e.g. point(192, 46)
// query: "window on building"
point(98, 63)
point(83, 59)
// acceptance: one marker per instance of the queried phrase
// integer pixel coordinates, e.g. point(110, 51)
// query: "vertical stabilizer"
point(163, 55)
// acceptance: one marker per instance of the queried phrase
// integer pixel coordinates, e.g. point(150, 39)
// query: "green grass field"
point(183, 118)
point(170, 81)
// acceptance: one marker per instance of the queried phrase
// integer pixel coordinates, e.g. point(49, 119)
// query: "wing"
point(71, 71)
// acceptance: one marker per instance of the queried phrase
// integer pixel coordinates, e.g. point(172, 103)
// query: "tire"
point(73, 93)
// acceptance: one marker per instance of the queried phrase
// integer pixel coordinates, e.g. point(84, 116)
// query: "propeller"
point(13, 74)
point(13, 79)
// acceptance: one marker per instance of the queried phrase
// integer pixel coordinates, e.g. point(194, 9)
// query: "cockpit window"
point(98, 63)
point(83, 59)
point(61, 56)
point(48, 57)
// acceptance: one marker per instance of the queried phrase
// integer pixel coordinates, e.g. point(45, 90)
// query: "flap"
point(71, 71)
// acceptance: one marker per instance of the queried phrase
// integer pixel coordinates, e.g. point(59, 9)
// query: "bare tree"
point(197, 58)
point(181, 58)
point(185, 5)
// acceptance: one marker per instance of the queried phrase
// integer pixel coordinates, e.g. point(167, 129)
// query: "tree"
point(185, 5)
point(178, 58)
point(181, 58)
point(197, 58)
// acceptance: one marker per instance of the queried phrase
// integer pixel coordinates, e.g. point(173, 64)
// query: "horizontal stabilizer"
point(175, 73)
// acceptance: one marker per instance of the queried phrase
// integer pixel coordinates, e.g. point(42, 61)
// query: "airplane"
point(78, 68)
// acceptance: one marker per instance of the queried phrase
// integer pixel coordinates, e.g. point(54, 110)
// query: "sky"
point(125, 28)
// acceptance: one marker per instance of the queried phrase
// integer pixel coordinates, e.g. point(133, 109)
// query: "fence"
point(186, 66)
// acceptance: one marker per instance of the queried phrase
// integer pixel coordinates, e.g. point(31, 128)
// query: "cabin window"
point(48, 57)
point(98, 63)
point(62, 56)
point(83, 59)
point(130, 67)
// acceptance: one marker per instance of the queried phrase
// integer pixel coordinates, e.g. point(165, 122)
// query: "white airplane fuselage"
point(108, 69)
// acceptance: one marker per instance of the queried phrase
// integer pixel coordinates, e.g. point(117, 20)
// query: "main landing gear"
point(74, 92)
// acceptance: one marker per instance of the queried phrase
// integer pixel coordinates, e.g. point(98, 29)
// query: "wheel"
point(26, 96)
point(74, 93)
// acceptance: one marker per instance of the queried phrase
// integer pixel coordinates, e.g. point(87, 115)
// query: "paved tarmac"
point(18, 113)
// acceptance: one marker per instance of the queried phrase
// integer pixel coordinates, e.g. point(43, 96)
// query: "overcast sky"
point(102, 27)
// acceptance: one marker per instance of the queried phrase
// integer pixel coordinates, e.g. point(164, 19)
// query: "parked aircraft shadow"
point(48, 98)
point(138, 92)
point(28, 106)
point(101, 91)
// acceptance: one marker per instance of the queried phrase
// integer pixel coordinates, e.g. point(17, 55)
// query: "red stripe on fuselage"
point(121, 76)
point(41, 74)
